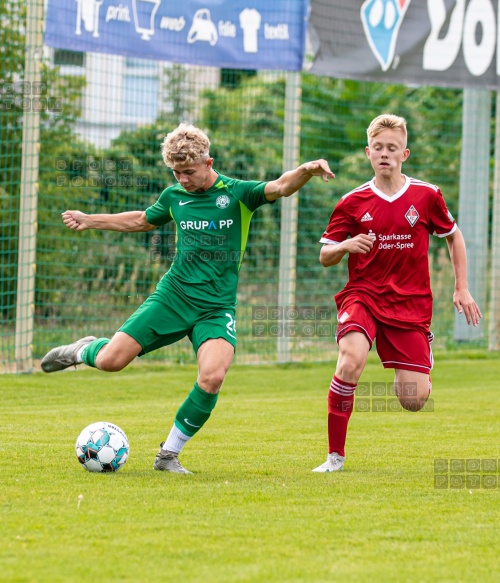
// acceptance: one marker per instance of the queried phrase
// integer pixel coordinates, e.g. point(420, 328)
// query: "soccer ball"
point(102, 447)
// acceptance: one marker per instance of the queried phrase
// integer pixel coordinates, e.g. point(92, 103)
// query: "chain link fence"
point(83, 131)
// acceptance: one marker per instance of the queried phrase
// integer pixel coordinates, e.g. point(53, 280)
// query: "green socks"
point(89, 353)
point(192, 414)
point(195, 410)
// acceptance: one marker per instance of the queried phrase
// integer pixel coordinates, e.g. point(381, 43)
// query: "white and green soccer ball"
point(102, 447)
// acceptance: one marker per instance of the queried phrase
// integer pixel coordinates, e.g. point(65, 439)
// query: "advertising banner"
point(238, 34)
point(428, 42)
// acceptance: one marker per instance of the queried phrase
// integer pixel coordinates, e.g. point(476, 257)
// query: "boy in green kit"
point(197, 296)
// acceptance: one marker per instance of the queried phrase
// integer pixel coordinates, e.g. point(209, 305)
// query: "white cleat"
point(334, 463)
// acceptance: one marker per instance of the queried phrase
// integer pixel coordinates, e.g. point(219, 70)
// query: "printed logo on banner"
point(144, 17)
point(381, 21)
point(203, 29)
point(87, 13)
point(144, 12)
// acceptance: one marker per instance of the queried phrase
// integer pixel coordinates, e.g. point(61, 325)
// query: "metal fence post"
point(289, 210)
point(473, 201)
point(29, 193)
point(494, 322)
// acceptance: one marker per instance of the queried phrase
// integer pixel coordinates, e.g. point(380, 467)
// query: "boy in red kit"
point(384, 227)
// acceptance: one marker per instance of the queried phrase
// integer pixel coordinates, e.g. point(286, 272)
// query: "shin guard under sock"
point(195, 411)
point(340, 403)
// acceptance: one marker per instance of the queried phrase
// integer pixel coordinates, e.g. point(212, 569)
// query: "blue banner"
point(235, 34)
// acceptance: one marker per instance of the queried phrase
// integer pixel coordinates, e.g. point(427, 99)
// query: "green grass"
point(253, 511)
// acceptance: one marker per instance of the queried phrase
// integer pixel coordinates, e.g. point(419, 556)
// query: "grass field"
point(253, 511)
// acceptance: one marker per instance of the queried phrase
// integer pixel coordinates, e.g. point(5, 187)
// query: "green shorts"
point(167, 316)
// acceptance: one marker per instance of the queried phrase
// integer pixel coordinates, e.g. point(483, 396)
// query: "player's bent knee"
point(349, 369)
point(412, 403)
point(211, 382)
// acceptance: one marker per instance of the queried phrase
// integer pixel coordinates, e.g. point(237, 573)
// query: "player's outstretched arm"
point(129, 222)
point(331, 254)
point(462, 298)
point(293, 180)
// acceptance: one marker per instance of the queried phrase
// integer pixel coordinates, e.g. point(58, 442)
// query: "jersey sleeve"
point(251, 193)
point(340, 226)
point(441, 221)
point(159, 213)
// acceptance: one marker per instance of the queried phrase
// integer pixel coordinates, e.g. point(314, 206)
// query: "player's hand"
point(358, 244)
point(319, 168)
point(76, 220)
point(465, 303)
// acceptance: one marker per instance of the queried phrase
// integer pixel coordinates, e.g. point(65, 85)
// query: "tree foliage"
point(245, 123)
point(56, 136)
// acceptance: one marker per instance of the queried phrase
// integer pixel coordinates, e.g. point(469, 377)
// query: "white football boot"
point(334, 463)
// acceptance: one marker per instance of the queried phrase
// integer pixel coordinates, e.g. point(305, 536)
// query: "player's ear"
point(367, 150)
point(406, 154)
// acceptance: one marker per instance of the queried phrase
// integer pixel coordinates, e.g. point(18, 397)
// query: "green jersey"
point(212, 232)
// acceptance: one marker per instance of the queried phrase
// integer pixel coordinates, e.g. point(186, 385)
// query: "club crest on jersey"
point(381, 22)
point(222, 201)
point(412, 215)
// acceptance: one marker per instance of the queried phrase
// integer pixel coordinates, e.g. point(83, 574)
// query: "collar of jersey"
point(216, 186)
point(394, 197)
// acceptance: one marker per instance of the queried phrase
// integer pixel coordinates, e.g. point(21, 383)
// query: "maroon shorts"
point(404, 348)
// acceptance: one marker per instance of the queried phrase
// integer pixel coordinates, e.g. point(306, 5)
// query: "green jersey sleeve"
point(250, 193)
point(160, 212)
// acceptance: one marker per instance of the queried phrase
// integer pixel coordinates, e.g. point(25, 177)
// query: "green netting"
point(102, 119)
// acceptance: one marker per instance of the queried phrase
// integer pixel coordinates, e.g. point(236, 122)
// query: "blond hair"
point(387, 121)
point(185, 145)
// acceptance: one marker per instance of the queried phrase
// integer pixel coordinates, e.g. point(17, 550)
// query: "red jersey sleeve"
point(340, 226)
point(441, 222)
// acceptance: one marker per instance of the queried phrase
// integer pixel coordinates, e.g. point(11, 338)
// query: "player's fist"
point(76, 220)
point(359, 244)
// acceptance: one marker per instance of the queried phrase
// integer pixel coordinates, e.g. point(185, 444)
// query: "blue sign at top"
point(234, 34)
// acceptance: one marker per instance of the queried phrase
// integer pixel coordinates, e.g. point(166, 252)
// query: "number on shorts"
point(231, 326)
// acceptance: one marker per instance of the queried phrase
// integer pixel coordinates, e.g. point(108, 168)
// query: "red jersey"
point(393, 278)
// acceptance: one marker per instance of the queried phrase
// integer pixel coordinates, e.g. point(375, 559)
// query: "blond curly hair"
point(185, 145)
point(387, 121)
